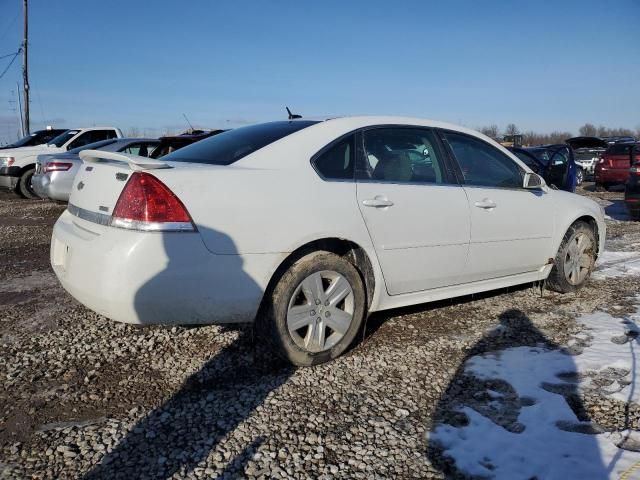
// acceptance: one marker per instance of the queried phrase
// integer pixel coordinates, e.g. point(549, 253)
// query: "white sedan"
point(308, 226)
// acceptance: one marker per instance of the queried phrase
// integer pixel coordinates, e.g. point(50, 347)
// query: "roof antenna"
point(292, 116)
point(185, 117)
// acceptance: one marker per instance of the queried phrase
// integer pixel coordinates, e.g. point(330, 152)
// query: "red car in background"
point(613, 167)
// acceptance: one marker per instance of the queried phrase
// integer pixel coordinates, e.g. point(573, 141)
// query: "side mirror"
point(532, 181)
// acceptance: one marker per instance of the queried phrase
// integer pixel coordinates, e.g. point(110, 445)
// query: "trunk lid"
point(102, 177)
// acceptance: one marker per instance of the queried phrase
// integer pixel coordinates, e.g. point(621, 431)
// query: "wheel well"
point(591, 222)
point(27, 167)
point(345, 248)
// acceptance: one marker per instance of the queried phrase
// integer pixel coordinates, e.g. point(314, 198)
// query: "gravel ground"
point(84, 397)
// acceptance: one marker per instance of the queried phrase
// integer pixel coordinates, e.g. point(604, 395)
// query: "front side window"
point(337, 162)
point(482, 164)
point(402, 155)
point(529, 161)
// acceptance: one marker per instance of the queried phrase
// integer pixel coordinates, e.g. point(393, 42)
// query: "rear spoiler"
point(135, 162)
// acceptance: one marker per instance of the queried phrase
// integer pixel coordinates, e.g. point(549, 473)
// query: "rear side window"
point(337, 162)
point(402, 155)
point(482, 164)
point(230, 146)
point(92, 146)
point(619, 149)
point(92, 137)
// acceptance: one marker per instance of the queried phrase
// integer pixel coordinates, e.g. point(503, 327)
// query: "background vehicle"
point(554, 163)
point(307, 226)
point(587, 151)
point(632, 187)
point(36, 138)
point(172, 143)
point(619, 139)
point(613, 167)
point(18, 165)
point(55, 172)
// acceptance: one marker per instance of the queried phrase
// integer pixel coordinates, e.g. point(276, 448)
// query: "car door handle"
point(486, 204)
point(377, 202)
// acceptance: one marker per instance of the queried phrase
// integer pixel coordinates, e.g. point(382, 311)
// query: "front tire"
point(575, 259)
point(24, 185)
point(315, 310)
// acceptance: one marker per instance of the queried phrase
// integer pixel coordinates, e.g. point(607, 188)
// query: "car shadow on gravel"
point(473, 404)
point(211, 403)
point(204, 412)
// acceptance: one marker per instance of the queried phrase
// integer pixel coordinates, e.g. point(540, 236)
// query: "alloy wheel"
point(320, 311)
point(578, 259)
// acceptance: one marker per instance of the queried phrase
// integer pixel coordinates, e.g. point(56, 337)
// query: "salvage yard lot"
point(84, 397)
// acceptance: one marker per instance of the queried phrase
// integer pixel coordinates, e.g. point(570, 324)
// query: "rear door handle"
point(486, 204)
point(378, 202)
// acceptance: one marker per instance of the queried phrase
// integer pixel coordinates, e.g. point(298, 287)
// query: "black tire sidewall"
point(277, 317)
point(24, 185)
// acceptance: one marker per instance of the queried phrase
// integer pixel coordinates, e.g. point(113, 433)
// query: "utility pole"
point(25, 70)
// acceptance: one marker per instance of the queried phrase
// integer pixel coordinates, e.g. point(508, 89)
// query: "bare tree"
point(491, 131)
point(133, 132)
point(511, 129)
point(588, 130)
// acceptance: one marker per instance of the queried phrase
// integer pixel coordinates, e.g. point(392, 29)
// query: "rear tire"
point(24, 185)
point(315, 310)
point(575, 259)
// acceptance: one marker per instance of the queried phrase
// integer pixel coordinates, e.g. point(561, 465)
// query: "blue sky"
point(540, 64)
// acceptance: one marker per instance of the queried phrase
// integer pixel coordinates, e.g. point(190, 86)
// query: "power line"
point(9, 54)
point(15, 55)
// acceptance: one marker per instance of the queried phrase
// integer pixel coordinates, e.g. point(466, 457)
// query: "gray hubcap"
point(578, 259)
point(320, 311)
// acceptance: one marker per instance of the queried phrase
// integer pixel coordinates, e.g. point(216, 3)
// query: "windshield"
point(24, 141)
point(93, 146)
point(232, 145)
point(36, 138)
point(63, 138)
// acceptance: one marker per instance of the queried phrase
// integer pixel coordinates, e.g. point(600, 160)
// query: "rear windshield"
point(232, 145)
point(620, 149)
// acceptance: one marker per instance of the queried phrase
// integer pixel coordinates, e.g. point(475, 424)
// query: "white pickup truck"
point(17, 166)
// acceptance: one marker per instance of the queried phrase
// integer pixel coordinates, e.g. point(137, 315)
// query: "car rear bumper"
point(611, 175)
point(46, 185)
point(154, 277)
point(9, 177)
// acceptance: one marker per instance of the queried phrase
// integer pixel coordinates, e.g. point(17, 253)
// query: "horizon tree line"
point(531, 137)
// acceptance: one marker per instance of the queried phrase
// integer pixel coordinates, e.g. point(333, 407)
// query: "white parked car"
point(307, 226)
point(18, 165)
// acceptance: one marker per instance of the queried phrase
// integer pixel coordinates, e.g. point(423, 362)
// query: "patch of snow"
point(551, 445)
point(616, 264)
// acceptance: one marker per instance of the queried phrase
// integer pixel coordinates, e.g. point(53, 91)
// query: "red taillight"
point(147, 204)
point(57, 166)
